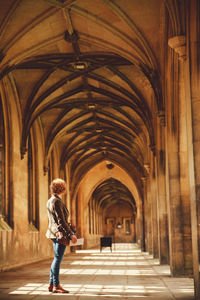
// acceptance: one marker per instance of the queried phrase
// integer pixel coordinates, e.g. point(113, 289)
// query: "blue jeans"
point(59, 251)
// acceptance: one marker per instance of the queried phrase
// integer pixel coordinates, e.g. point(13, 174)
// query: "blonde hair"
point(58, 186)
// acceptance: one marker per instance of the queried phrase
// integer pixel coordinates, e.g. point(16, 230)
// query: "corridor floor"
point(124, 273)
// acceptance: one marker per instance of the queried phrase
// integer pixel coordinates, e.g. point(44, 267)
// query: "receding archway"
point(94, 178)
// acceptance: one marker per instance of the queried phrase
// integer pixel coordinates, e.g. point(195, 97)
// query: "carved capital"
point(147, 168)
point(45, 169)
point(178, 44)
point(144, 180)
point(153, 149)
point(23, 151)
point(161, 116)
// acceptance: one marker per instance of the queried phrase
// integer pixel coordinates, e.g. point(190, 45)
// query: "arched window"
point(6, 204)
point(33, 209)
point(49, 178)
point(89, 215)
point(2, 165)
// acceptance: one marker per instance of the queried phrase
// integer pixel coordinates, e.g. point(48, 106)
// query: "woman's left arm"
point(61, 218)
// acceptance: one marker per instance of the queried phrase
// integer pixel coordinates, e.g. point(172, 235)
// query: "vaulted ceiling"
point(90, 72)
point(112, 191)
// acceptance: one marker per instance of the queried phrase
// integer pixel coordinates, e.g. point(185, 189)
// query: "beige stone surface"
point(124, 273)
point(84, 83)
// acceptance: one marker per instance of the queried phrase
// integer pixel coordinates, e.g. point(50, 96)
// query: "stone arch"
point(88, 184)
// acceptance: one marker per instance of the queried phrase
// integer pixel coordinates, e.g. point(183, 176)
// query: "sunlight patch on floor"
point(94, 271)
point(88, 289)
point(109, 263)
point(126, 272)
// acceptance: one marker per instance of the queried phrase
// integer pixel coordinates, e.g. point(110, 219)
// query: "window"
point(127, 227)
point(5, 207)
point(2, 164)
point(89, 215)
point(49, 179)
point(33, 216)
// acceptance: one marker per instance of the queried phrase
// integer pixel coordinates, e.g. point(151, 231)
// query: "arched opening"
point(33, 204)
point(2, 165)
point(106, 197)
point(119, 222)
point(115, 211)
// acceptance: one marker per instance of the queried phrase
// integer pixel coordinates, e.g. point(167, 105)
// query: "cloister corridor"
point(105, 95)
point(124, 273)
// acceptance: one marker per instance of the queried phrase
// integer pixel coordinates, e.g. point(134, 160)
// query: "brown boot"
point(50, 287)
point(59, 289)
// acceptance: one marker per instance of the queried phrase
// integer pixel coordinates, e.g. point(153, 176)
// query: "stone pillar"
point(192, 77)
point(68, 194)
point(149, 244)
point(139, 226)
point(141, 219)
point(154, 220)
point(174, 196)
point(161, 190)
point(134, 228)
point(179, 199)
point(184, 168)
point(145, 215)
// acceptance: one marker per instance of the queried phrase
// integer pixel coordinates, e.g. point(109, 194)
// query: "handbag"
point(64, 240)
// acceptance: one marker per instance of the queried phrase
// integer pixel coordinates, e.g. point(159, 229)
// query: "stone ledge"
point(3, 225)
point(178, 44)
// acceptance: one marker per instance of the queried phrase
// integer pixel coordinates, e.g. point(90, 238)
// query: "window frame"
point(33, 204)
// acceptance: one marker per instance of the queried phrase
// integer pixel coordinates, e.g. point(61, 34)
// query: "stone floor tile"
point(126, 273)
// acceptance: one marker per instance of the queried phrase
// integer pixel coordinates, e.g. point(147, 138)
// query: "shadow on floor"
point(124, 273)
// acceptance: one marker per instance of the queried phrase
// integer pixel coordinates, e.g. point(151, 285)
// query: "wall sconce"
point(119, 225)
point(109, 166)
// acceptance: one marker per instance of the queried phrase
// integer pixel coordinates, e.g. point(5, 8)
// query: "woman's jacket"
point(58, 218)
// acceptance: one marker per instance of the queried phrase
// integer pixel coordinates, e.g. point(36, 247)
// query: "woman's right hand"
point(59, 235)
point(73, 238)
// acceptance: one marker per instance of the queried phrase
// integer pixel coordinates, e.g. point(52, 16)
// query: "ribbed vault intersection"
point(91, 94)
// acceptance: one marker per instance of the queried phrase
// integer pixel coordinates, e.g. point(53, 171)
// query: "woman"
point(58, 227)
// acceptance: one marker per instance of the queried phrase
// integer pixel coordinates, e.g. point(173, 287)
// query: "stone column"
point(139, 225)
point(149, 244)
point(134, 228)
point(184, 168)
point(145, 215)
point(161, 190)
point(192, 77)
point(181, 257)
point(154, 220)
point(174, 194)
point(68, 194)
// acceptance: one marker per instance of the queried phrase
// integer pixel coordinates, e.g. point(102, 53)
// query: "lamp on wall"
point(119, 225)
point(109, 166)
